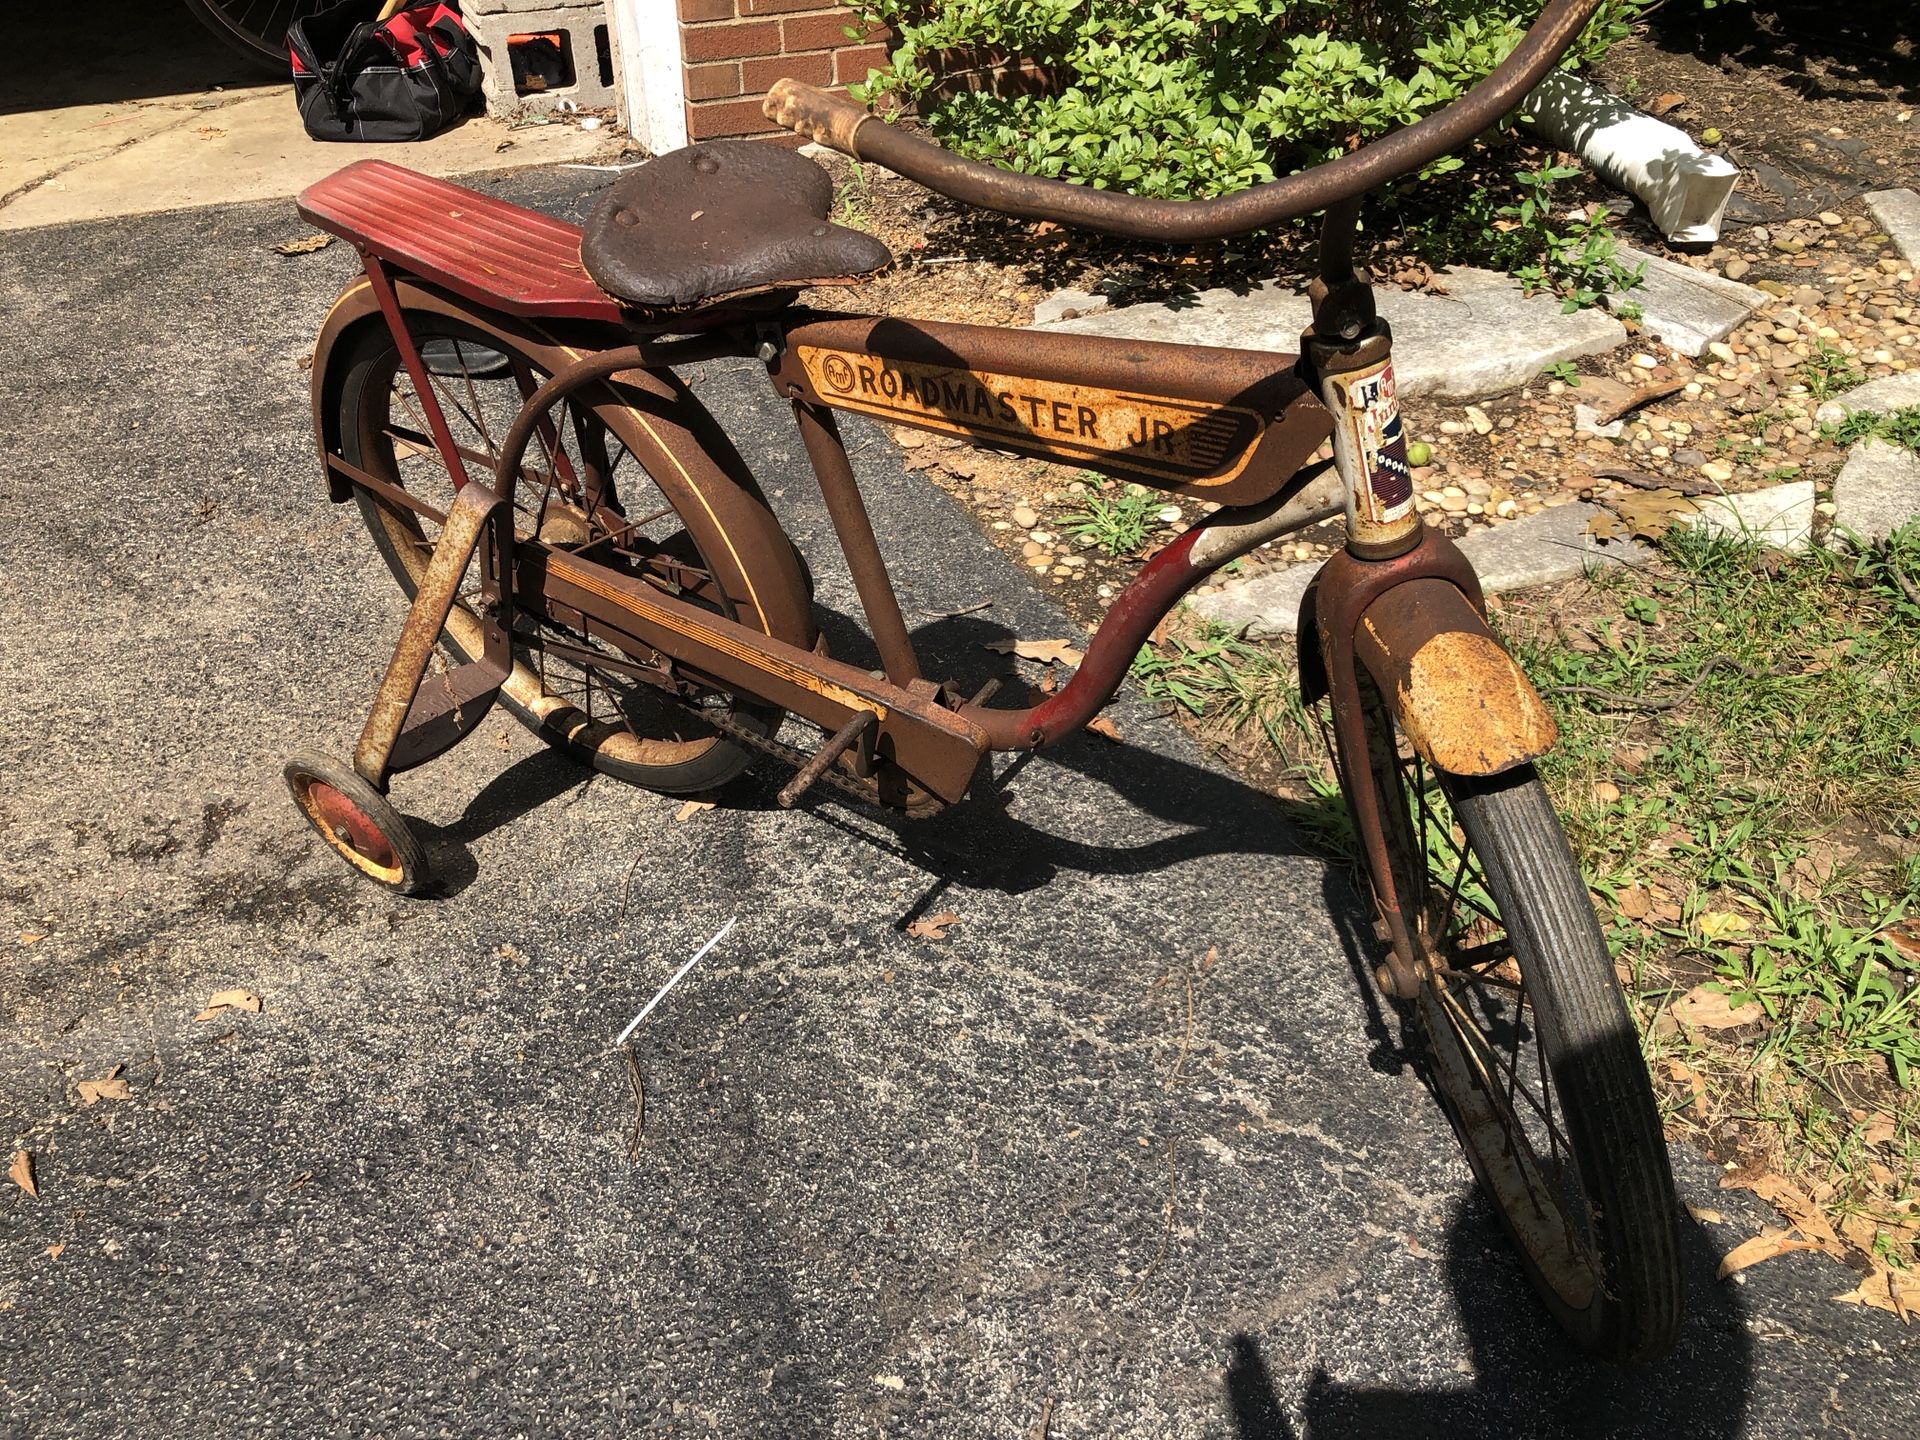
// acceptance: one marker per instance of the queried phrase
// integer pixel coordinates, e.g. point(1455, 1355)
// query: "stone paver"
point(1898, 213)
point(1538, 550)
point(1684, 308)
point(1877, 492)
point(1068, 304)
point(1552, 545)
point(1265, 605)
point(1896, 392)
point(1481, 338)
point(1779, 517)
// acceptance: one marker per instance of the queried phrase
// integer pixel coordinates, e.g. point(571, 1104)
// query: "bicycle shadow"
point(514, 793)
point(1522, 1378)
point(1200, 811)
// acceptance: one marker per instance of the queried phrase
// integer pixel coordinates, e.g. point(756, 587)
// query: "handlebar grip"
point(828, 120)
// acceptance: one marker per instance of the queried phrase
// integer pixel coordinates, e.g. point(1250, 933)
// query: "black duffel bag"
point(357, 77)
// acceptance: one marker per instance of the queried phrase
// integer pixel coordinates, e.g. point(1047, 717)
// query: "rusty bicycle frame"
point(1238, 428)
point(716, 604)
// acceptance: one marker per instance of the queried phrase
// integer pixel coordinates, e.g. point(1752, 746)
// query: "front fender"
point(1461, 700)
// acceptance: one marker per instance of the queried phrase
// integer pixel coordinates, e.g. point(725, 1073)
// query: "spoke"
point(479, 410)
point(1465, 1025)
point(440, 388)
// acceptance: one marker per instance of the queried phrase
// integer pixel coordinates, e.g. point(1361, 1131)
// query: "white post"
point(653, 84)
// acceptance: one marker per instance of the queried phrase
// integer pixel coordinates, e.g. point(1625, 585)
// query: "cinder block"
point(585, 46)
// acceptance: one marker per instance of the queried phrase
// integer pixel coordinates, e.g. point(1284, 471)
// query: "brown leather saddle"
point(721, 222)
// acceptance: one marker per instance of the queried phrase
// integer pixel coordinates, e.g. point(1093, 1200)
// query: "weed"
point(1828, 371)
point(1563, 371)
point(856, 198)
point(1119, 526)
point(1217, 675)
point(1898, 427)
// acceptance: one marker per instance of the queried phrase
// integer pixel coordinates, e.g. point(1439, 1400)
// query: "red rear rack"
point(487, 250)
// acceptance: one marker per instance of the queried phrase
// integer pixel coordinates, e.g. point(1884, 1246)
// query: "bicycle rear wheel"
point(618, 707)
point(256, 29)
point(1530, 1045)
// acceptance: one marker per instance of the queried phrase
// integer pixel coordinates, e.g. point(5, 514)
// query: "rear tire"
point(1531, 1048)
point(599, 715)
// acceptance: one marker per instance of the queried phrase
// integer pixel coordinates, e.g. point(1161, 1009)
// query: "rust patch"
point(1468, 708)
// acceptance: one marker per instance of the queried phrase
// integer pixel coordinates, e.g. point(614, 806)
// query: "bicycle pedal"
point(842, 740)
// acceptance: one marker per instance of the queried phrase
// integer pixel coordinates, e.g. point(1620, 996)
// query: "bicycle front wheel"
point(1531, 1048)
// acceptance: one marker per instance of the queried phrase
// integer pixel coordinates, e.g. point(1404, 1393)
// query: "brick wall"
point(736, 49)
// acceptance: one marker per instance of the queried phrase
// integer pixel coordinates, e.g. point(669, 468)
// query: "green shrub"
point(1186, 98)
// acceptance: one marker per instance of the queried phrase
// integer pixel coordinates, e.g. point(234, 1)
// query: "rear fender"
point(671, 434)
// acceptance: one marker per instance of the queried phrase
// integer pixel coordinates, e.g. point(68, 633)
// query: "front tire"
point(1530, 1045)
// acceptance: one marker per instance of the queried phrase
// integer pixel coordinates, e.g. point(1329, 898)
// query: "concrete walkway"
point(132, 107)
point(889, 1186)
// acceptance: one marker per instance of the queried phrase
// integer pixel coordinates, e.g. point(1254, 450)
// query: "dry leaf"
point(108, 1087)
point(1704, 1215)
point(1663, 104)
point(1878, 1130)
point(1102, 726)
point(1044, 651)
point(223, 1000)
point(21, 1173)
point(1764, 1246)
point(1706, 1008)
point(1718, 924)
point(1634, 902)
point(31, 937)
point(1908, 945)
point(1886, 1289)
point(53, 1251)
point(306, 246)
point(1686, 1075)
point(931, 927)
point(1647, 513)
point(691, 809)
point(1787, 1198)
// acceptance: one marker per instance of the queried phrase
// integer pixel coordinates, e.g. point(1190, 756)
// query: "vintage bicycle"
point(497, 393)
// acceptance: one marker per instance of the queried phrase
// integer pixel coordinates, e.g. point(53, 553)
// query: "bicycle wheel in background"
point(256, 29)
point(1531, 1048)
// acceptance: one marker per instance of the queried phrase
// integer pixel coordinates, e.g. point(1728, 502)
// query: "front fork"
point(1400, 601)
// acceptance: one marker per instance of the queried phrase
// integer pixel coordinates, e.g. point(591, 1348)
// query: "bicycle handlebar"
point(841, 124)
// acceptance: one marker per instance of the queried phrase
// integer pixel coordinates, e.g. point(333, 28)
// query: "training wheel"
point(358, 821)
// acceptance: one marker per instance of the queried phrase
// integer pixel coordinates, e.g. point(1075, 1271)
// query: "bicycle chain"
point(865, 791)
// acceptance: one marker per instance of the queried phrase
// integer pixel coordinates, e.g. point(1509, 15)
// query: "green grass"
point(1119, 526)
point(1898, 427)
point(1765, 829)
point(1739, 771)
point(1212, 674)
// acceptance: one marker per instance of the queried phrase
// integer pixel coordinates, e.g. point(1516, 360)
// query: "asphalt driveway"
point(888, 1186)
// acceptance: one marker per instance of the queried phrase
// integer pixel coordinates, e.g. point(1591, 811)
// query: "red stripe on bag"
point(410, 30)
